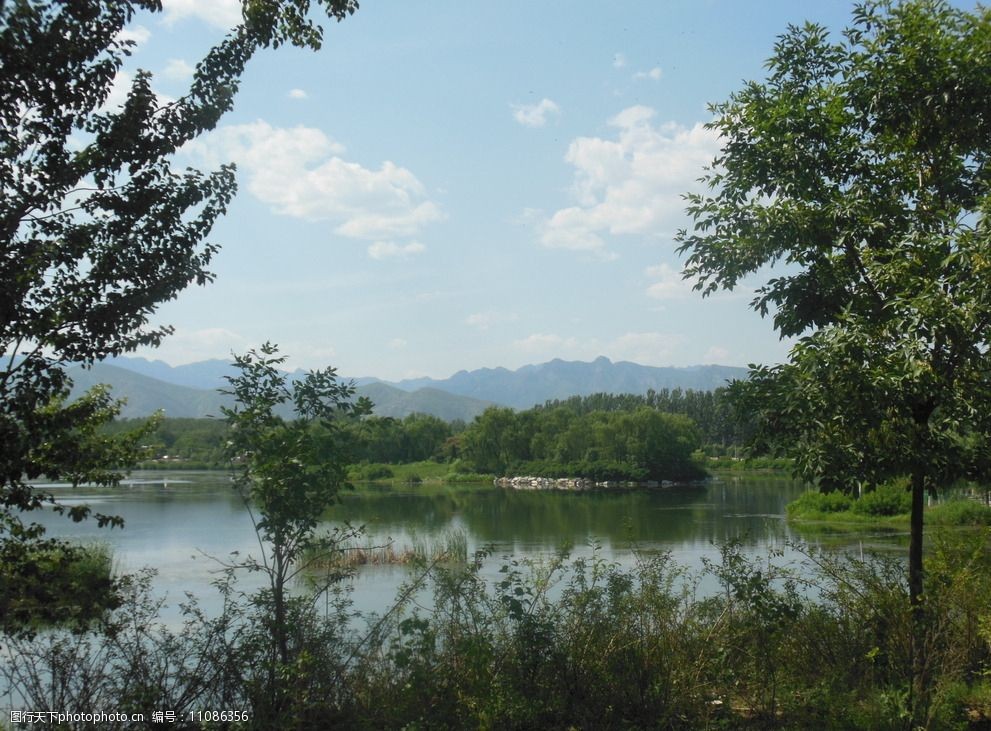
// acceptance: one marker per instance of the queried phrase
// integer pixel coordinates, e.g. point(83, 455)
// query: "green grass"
point(754, 464)
point(449, 547)
point(427, 471)
point(887, 506)
point(960, 513)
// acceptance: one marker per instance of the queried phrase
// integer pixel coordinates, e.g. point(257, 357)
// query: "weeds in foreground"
point(560, 643)
point(452, 546)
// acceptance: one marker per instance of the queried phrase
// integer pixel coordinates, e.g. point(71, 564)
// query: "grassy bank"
point(427, 471)
point(748, 464)
point(889, 505)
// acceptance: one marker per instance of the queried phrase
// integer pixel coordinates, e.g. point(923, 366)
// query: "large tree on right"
point(858, 172)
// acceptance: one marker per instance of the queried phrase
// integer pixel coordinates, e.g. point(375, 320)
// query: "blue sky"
point(453, 185)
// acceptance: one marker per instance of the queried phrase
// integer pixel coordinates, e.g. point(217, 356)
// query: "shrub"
point(74, 585)
point(960, 513)
point(555, 643)
point(812, 503)
point(887, 499)
point(370, 472)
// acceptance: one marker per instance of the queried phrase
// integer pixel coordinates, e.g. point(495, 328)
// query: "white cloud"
point(428, 296)
point(299, 173)
point(118, 90)
point(669, 284)
point(632, 184)
point(618, 60)
point(391, 250)
point(485, 320)
point(653, 75)
point(535, 115)
point(189, 346)
point(297, 94)
point(224, 14)
point(716, 354)
point(193, 345)
point(309, 355)
point(567, 230)
point(542, 344)
point(397, 343)
point(121, 87)
point(138, 34)
point(177, 69)
point(647, 348)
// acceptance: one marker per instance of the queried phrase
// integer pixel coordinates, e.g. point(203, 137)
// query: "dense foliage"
point(861, 164)
point(414, 438)
point(379, 440)
point(559, 644)
point(288, 472)
point(560, 441)
point(63, 584)
point(719, 425)
point(194, 443)
point(97, 228)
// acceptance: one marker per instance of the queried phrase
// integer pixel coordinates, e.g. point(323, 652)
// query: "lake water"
point(176, 521)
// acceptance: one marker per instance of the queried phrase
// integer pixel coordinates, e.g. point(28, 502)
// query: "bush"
point(887, 499)
point(370, 472)
point(812, 503)
point(74, 586)
point(960, 513)
point(555, 643)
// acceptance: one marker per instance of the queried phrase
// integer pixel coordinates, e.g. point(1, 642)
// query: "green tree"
point(425, 434)
point(96, 228)
point(494, 440)
point(860, 168)
point(290, 472)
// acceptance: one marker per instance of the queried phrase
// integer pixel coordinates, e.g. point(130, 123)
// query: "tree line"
point(629, 444)
point(609, 436)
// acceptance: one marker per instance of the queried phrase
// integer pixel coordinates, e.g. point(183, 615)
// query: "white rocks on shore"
point(569, 483)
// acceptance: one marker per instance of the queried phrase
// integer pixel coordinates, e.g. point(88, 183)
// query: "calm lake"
point(176, 521)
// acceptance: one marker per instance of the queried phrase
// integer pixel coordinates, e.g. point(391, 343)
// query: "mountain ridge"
point(144, 395)
point(527, 386)
point(535, 384)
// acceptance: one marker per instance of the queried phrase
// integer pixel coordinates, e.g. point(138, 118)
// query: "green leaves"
point(858, 167)
point(96, 227)
point(290, 469)
point(634, 444)
point(847, 148)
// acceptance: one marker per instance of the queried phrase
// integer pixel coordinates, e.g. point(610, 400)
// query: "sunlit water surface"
point(182, 524)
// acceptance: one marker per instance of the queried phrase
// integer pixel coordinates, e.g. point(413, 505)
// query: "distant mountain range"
point(559, 379)
point(145, 395)
point(191, 390)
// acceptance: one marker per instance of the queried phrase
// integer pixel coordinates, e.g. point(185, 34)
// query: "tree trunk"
point(279, 599)
point(279, 635)
point(919, 690)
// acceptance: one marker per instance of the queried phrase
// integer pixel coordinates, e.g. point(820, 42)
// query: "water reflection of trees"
point(711, 512)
